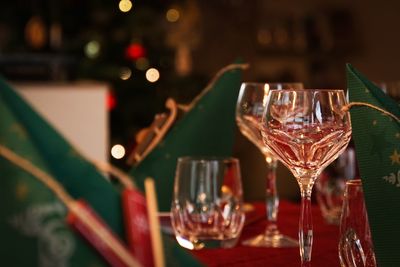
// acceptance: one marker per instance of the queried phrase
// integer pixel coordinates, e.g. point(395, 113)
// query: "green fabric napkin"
point(32, 221)
point(206, 130)
point(377, 141)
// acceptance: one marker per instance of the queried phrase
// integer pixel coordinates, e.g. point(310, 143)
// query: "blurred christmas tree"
point(142, 48)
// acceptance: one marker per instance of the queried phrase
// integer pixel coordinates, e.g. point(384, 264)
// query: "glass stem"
point(271, 197)
point(305, 225)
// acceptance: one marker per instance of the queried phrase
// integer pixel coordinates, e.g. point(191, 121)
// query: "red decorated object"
point(135, 51)
point(111, 101)
point(93, 238)
point(137, 226)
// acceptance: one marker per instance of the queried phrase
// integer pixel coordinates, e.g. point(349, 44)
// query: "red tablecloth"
point(324, 247)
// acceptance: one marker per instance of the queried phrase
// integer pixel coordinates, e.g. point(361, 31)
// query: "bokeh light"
point(152, 75)
point(125, 5)
point(125, 74)
point(92, 49)
point(118, 151)
point(172, 15)
point(135, 51)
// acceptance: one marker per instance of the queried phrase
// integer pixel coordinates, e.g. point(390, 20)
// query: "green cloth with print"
point(377, 142)
point(32, 220)
point(205, 130)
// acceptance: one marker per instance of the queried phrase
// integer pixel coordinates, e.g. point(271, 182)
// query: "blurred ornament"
point(35, 32)
point(264, 37)
point(125, 5)
point(111, 101)
point(281, 36)
point(92, 49)
point(142, 63)
point(55, 36)
point(135, 51)
point(152, 75)
point(183, 60)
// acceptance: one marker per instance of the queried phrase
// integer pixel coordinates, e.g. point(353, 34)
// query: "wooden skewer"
point(152, 211)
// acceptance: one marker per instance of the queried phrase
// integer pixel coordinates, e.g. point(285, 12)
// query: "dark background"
point(308, 41)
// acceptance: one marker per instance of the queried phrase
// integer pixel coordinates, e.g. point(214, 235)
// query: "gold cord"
point(121, 176)
point(45, 178)
point(71, 204)
point(211, 84)
point(352, 104)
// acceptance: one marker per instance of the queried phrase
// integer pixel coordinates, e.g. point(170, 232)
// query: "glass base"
point(196, 244)
point(271, 241)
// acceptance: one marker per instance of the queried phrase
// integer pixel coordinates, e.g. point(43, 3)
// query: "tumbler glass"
point(207, 205)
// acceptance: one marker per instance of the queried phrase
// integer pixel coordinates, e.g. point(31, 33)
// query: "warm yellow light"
point(142, 63)
point(264, 37)
point(152, 75)
point(92, 49)
point(265, 98)
point(172, 15)
point(125, 5)
point(118, 151)
point(125, 74)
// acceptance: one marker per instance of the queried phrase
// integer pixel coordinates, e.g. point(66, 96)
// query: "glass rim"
point(204, 159)
point(306, 90)
point(264, 83)
point(271, 83)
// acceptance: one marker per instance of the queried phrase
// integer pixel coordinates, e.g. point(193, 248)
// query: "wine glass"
point(306, 130)
point(249, 110)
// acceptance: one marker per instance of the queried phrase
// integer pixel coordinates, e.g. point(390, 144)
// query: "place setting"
point(186, 133)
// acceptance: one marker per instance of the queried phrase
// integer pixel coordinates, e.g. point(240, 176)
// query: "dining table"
point(324, 251)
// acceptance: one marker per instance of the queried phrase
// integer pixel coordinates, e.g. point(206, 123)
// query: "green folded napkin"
point(206, 130)
point(32, 220)
point(377, 141)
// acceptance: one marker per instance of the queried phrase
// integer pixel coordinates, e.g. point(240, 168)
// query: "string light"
point(125, 5)
point(172, 15)
point(118, 151)
point(152, 75)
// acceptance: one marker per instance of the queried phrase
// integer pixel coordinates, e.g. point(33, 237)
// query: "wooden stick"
point(155, 231)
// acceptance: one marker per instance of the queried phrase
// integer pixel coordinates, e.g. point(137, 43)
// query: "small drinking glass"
point(355, 245)
point(207, 206)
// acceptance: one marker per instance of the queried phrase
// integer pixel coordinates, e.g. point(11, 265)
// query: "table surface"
point(325, 252)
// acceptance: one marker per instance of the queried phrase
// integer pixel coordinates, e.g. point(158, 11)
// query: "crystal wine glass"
point(306, 130)
point(249, 110)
